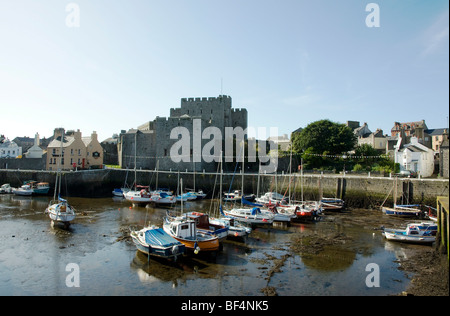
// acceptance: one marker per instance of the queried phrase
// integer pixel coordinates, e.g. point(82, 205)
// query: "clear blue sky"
point(289, 62)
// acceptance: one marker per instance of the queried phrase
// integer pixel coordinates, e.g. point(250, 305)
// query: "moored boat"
point(332, 204)
point(403, 210)
point(252, 216)
point(185, 231)
point(204, 225)
point(154, 241)
point(60, 211)
point(24, 190)
point(418, 233)
point(140, 196)
point(6, 188)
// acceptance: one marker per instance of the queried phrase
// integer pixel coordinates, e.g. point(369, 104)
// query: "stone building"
point(77, 152)
point(151, 142)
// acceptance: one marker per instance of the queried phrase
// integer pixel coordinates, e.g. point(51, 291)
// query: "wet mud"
point(323, 258)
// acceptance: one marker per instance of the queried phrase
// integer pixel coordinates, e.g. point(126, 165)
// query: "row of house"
point(412, 145)
point(67, 150)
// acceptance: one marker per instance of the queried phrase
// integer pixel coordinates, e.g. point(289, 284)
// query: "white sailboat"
point(59, 210)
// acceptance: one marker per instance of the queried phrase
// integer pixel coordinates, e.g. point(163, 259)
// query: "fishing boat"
point(418, 233)
point(185, 231)
point(154, 241)
point(205, 226)
point(60, 211)
point(38, 188)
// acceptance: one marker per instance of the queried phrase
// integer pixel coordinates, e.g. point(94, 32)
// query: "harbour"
point(324, 258)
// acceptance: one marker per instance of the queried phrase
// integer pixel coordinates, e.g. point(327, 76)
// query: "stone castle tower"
point(150, 143)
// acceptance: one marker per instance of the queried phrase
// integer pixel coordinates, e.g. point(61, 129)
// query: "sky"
point(112, 65)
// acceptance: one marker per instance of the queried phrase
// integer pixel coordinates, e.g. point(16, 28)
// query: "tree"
point(323, 138)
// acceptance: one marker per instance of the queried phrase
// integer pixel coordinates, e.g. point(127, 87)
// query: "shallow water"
point(34, 256)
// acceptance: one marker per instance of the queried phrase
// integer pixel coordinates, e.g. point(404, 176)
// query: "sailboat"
point(59, 210)
point(141, 195)
point(409, 210)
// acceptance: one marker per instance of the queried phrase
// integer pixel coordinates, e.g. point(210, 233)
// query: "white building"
point(9, 149)
point(415, 157)
point(35, 151)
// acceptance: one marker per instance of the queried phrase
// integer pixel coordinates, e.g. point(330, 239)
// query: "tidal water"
point(37, 259)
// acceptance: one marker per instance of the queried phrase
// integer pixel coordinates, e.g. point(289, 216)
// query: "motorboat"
point(252, 216)
point(154, 241)
point(418, 233)
point(206, 226)
point(25, 190)
point(140, 196)
point(185, 231)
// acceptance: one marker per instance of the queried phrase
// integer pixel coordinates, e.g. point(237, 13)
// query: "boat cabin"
point(423, 229)
point(185, 229)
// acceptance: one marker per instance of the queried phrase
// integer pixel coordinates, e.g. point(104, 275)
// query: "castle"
point(151, 142)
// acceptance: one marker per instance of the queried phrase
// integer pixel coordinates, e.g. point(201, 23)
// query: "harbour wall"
point(358, 191)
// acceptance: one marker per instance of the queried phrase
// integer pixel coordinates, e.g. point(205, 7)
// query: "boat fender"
point(175, 249)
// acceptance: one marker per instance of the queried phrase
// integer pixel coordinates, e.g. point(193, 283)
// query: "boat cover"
point(158, 236)
point(256, 210)
point(245, 202)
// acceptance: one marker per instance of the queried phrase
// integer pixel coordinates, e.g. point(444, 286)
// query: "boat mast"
point(58, 168)
point(242, 184)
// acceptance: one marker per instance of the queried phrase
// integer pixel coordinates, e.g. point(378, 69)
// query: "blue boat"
point(154, 241)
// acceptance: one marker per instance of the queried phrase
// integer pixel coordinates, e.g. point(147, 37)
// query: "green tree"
point(323, 138)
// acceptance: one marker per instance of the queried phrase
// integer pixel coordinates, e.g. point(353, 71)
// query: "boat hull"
point(400, 211)
point(250, 219)
point(401, 237)
point(171, 252)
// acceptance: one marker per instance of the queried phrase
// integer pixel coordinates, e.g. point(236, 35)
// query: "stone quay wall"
point(357, 191)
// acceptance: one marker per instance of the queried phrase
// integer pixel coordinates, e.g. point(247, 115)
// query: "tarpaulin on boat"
point(245, 202)
point(158, 236)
